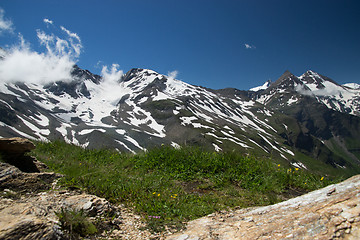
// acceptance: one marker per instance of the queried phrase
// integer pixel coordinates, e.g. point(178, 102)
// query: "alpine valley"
point(308, 122)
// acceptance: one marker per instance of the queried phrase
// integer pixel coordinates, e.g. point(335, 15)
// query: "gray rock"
point(328, 213)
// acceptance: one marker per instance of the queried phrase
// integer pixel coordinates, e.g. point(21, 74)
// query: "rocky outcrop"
point(34, 217)
point(329, 213)
point(13, 151)
point(24, 183)
point(31, 203)
point(16, 146)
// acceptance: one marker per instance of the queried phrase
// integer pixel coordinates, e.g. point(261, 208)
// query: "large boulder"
point(329, 213)
point(14, 179)
point(16, 145)
point(35, 217)
point(13, 151)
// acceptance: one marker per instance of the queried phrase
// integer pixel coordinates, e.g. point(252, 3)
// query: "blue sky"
point(216, 44)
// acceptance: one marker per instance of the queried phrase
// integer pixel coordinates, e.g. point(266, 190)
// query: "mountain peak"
point(312, 78)
point(138, 71)
point(286, 81)
point(285, 76)
point(315, 81)
point(311, 72)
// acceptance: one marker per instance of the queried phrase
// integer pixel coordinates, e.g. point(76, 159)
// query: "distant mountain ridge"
point(308, 121)
point(343, 98)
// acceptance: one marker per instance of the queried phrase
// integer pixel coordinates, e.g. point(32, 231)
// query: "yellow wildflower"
point(278, 165)
point(297, 169)
point(322, 178)
point(159, 195)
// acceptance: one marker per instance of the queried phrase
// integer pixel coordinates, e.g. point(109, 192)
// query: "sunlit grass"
point(170, 186)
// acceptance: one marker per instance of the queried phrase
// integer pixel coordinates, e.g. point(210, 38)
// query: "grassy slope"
point(170, 186)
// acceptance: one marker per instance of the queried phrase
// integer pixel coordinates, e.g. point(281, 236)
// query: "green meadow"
point(169, 186)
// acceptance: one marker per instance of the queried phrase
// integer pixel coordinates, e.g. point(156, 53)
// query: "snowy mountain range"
point(308, 121)
point(343, 98)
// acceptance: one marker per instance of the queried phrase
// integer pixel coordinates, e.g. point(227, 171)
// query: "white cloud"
point(75, 41)
point(301, 89)
point(173, 74)
point(113, 75)
point(71, 34)
point(23, 64)
point(54, 64)
point(48, 21)
point(327, 91)
point(5, 25)
point(248, 46)
point(46, 40)
point(112, 90)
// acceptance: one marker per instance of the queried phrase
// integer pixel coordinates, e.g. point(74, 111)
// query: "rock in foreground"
point(31, 203)
point(329, 213)
point(13, 151)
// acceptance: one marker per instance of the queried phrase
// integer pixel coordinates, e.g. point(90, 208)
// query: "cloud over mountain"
point(62, 51)
point(22, 63)
point(173, 74)
point(113, 75)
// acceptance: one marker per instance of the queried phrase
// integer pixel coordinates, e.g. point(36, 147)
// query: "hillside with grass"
point(169, 186)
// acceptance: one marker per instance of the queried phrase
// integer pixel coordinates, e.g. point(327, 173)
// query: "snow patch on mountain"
point(87, 131)
point(40, 119)
point(262, 87)
point(41, 133)
point(17, 131)
point(292, 100)
point(352, 85)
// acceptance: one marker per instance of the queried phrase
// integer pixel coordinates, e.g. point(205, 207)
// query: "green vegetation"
point(162, 104)
point(161, 109)
point(75, 224)
point(170, 186)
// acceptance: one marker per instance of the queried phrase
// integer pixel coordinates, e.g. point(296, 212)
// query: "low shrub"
point(75, 224)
